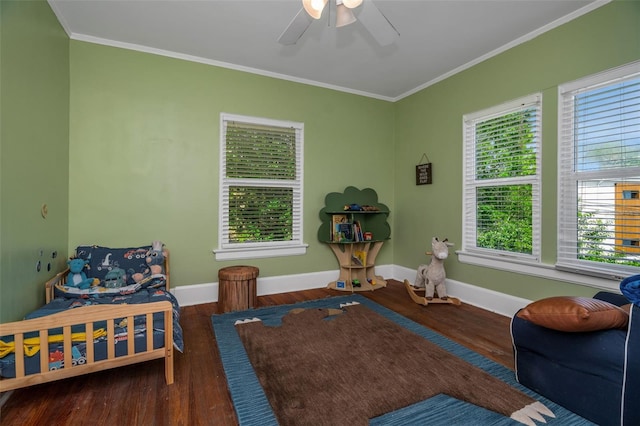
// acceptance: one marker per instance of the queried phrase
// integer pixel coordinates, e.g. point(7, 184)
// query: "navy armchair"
point(595, 374)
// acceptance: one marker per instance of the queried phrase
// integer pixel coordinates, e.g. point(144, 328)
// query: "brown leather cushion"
point(571, 313)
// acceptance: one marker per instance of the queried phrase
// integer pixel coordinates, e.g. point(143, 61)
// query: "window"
point(260, 188)
point(599, 174)
point(501, 204)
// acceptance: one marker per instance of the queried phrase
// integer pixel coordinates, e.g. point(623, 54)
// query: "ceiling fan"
point(369, 15)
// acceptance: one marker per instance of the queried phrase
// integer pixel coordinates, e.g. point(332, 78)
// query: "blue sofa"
point(595, 374)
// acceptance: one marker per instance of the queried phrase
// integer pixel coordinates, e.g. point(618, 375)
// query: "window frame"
point(230, 251)
point(470, 252)
point(566, 249)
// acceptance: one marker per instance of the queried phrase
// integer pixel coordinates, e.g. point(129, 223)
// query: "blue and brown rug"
point(347, 360)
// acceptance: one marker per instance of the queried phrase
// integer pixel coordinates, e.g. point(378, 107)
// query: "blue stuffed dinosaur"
point(77, 278)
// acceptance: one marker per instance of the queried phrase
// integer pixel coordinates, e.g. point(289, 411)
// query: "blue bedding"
point(60, 304)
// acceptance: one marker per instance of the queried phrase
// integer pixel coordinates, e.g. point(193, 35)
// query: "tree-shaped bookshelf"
point(354, 225)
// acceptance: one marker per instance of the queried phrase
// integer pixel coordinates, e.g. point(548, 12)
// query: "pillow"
point(131, 260)
point(567, 313)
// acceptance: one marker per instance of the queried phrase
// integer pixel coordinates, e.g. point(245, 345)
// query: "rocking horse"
point(431, 278)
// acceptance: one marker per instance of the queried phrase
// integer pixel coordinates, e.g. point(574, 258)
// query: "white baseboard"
point(501, 303)
point(208, 292)
point(491, 300)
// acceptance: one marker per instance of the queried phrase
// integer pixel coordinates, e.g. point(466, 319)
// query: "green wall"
point(431, 122)
point(144, 152)
point(34, 152)
point(139, 159)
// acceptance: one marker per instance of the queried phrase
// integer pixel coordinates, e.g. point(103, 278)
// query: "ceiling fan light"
point(352, 4)
point(314, 7)
point(344, 16)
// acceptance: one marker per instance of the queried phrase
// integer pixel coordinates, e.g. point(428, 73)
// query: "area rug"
point(347, 360)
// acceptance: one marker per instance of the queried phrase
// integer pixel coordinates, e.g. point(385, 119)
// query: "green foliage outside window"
point(504, 218)
point(261, 171)
point(505, 148)
point(260, 214)
point(592, 233)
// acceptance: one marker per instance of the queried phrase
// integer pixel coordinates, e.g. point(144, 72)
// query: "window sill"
point(262, 252)
point(535, 269)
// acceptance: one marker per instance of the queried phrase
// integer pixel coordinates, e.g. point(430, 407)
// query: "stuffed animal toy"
point(435, 274)
point(77, 278)
point(154, 260)
point(432, 277)
point(115, 278)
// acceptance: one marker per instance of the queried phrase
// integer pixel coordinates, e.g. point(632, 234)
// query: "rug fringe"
point(532, 412)
point(244, 321)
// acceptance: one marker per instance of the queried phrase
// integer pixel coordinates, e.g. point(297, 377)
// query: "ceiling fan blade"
point(296, 28)
point(377, 24)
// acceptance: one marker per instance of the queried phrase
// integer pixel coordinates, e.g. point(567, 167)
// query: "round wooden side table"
point(237, 288)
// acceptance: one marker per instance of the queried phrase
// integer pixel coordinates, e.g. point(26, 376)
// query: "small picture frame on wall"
point(424, 174)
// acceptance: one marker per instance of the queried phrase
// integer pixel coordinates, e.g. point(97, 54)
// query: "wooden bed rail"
point(49, 286)
point(87, 316)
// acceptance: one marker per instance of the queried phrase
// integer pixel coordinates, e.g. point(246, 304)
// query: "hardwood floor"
point(138, 395)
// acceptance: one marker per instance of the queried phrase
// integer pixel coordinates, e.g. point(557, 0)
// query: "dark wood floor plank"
point(137, 395)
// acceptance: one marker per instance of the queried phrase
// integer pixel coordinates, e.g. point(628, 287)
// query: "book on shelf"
point(345, 232)
point(336, 220)
point(357, 231)
point(359, 258)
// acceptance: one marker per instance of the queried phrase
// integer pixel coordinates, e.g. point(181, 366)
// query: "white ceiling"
point(437, 37)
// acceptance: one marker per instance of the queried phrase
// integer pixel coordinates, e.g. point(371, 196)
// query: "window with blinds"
point(261, 187)
point(599, 174)
point(501, 196)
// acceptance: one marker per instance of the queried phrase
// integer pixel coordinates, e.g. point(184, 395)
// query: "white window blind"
point(599, 174)
point(261, 186)
point(501, 204)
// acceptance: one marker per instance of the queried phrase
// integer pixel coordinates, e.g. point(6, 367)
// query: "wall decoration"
point(424, 171)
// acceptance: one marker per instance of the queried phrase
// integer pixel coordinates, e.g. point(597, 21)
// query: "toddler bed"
point(110, 324)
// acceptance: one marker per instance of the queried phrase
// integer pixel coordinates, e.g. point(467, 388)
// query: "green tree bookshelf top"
point(370, 221)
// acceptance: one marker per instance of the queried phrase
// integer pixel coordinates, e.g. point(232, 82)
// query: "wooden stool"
point(237, 288)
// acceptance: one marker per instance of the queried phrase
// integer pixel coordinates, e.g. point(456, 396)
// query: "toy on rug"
point(431, 278)
point(77, 278)
point(155, 261)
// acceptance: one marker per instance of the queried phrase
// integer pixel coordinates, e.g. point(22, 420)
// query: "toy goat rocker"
point(431, 278)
